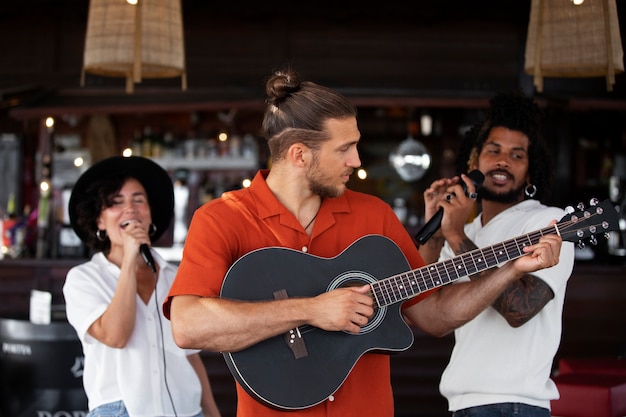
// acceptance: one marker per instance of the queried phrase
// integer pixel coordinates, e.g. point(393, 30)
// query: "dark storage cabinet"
point(41, 368)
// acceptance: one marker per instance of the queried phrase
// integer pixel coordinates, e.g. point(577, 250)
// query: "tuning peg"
point(580, 206)
point(581, 244)
point(607, 235)
point(593, 240)
point(569, 209)
point(594, 202)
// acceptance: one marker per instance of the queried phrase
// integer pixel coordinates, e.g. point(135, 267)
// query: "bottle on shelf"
point(146, 142)
point(250, 147)
point(157, 144)
point(135, 144)
point(169, 150)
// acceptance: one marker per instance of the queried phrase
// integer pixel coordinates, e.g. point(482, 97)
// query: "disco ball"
point(410, 159)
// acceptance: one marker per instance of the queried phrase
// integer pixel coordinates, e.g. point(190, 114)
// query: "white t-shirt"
point(137, 373)
point(493, 362)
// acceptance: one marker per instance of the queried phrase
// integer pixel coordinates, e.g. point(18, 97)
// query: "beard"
point(322, 190)
point(508, 197)
point(318, 182)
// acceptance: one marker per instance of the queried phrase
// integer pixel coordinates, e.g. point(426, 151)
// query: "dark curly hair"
point(297, 110)
point(99, 197)
point(516, 112)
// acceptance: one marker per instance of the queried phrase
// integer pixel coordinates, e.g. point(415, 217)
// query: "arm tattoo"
point(465, 246)
point(522, 300)
point(436, 242)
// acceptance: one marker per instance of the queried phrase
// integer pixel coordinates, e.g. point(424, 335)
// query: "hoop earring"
point(101, 235)
point(152, 229)
point(530, 190)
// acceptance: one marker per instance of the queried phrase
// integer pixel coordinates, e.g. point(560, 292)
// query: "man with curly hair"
point(502, 359)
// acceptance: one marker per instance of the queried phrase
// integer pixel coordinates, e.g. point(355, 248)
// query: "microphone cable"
point(156, 303)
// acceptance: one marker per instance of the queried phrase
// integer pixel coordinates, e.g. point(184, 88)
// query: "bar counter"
point(594, 325)
point(19, 276)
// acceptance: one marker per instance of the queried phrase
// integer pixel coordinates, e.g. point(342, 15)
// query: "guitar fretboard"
point(411, 283)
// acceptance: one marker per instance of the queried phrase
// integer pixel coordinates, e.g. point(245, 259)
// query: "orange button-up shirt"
point(241, 221)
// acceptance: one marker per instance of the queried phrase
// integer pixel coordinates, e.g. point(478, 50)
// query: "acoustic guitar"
point(307, 365)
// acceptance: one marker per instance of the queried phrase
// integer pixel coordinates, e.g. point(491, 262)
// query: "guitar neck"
point(411, 283)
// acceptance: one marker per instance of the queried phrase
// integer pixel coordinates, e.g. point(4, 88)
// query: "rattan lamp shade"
point(135, 41)
point(567, 40)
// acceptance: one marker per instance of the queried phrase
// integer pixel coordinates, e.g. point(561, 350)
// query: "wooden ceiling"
point(440, 53)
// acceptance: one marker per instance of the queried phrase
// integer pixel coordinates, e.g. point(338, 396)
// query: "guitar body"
point(270, 371)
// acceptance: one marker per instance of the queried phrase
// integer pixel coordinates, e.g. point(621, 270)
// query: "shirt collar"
point(268, 205)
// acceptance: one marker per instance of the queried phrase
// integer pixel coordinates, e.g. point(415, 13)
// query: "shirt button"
point(305, 249)
point(331, 398)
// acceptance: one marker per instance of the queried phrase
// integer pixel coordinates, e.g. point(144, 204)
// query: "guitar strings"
point(409, 284)
point(490, 257)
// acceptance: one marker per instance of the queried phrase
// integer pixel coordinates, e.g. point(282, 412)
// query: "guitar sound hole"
point(353, 283)
point(357, 279)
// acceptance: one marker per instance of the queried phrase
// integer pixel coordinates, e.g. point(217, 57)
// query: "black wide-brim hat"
point(155, 180)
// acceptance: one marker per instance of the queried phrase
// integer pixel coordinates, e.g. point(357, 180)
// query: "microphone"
point(144, 250)
point(434, 223)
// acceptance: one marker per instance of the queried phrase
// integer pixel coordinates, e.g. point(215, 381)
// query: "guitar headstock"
point(585, 223)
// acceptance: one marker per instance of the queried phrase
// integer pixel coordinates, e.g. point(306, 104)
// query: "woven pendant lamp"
point(135, 41)
point(572, 41)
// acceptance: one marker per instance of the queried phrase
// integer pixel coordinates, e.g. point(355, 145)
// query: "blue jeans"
point(503, 410)
point(116, 409)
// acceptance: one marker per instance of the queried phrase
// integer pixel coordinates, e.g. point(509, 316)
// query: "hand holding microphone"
point(434, 223)
point(144, 250)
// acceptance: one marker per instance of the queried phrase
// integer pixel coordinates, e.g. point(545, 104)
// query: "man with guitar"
point(242, 285)
point(502, 359)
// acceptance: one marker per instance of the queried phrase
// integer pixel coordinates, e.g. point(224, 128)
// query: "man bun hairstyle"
point(297, 111)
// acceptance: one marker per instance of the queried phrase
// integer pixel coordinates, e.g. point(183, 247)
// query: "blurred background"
point(420, 74)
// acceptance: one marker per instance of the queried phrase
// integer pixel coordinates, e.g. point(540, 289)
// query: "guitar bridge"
point(295, 341)
point(293, 337)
